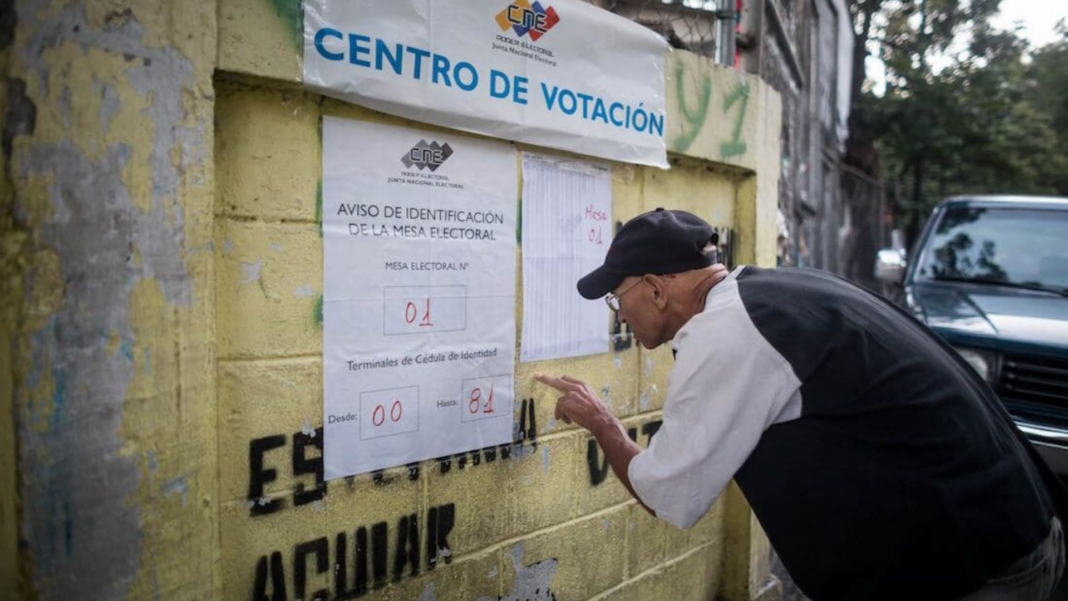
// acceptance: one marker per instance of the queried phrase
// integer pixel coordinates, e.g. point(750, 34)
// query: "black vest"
point(904, 478)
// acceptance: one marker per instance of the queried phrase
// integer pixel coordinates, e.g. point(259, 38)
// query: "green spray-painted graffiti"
point(693, 118)
point(319, 310)
point(735, 146)
point(319, 207)
point(291, 12)
point(519, 224)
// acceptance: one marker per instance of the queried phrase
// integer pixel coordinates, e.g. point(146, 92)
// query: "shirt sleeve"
point(728, 386)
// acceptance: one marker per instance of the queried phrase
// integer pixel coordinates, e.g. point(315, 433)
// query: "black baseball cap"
point(657, 242)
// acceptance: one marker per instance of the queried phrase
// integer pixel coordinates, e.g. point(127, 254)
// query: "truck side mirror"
point(890, 266)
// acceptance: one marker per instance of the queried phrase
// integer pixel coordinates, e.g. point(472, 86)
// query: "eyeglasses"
point(612, 299)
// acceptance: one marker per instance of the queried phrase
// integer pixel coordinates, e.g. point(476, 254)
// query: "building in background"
point(829, 211)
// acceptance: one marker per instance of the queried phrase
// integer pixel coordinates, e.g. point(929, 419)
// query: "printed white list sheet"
point(567, 229)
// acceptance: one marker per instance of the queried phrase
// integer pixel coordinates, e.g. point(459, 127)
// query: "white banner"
point(419, 243)
point(557, 73)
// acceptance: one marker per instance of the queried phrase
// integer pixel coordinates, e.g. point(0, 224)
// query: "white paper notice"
point(567, 228)
point(418, 294)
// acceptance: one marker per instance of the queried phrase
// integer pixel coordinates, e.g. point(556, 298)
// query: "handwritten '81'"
point(486, 397)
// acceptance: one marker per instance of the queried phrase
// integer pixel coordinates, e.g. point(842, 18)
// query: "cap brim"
point(598, 283)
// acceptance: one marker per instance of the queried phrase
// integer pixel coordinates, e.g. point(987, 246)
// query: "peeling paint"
point(304, 291)
point(126, 348)
point(162, 76)
point(21, 116)
point(82, 448)
point(545, 457)
point(109, 106)
point(643, 402)
point(175, 486)
point(428, 593)
point(522, 451)
point(64, 107)
point(531, 582)
point(251, 272)
point(261, 501)
point(86, 539)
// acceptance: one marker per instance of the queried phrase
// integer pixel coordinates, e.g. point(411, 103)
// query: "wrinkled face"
point(638, 308)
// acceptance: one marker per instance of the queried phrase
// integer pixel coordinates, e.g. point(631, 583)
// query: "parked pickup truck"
point(990, 275)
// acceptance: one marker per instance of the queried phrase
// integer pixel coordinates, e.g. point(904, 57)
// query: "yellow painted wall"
point(110, 233)
point(163, 222)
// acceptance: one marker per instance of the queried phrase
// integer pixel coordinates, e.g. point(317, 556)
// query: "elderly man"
point(878, 462)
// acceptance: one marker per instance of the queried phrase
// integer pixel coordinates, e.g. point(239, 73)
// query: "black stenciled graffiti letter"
point(259, 477)
point(524, 432)
point(302, 465)
point(407, 547)
point(440, 521)
point(361, 561)
point(369, 559)
point(359, 564)
point(278, 579)
point(379, 557)
point(321, 548)
point(649, 429)
point(598, 467)
point(341, 566)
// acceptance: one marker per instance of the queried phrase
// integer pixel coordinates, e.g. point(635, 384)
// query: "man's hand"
point(580, 404)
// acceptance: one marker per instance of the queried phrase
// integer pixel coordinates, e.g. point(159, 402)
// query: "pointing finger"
point(557, 383)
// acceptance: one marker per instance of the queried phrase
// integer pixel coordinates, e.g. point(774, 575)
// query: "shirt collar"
point(716, 290)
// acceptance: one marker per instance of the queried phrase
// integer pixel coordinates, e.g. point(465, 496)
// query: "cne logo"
point(524, 17)
point(427, 156)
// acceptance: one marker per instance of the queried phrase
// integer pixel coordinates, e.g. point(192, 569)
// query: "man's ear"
point(658, 290)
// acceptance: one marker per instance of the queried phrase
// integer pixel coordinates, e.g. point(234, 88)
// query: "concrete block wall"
point(162, 327)
point(109, 322)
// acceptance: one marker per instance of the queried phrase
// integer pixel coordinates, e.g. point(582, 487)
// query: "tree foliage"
point(993, 120)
